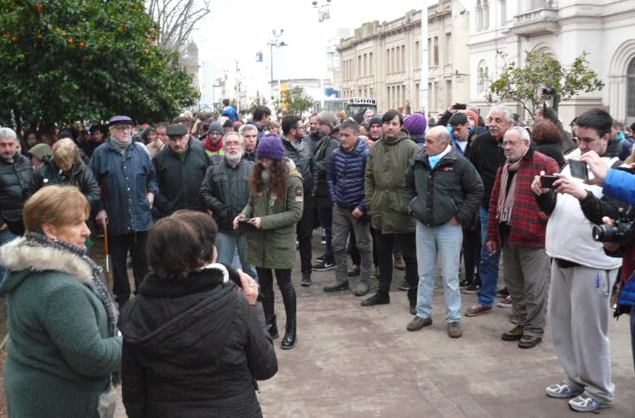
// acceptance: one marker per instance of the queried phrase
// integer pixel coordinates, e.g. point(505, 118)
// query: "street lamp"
point(275, 42)
point(323, 10)
point(323, 14)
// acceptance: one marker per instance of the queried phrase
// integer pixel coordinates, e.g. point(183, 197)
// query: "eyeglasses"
point(123, 128)
point(512, 144)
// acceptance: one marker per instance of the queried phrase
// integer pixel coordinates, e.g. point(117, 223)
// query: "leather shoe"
point(417, 323)
point(336, 286)
point(376, 299)
point(513, 334)
point(529, 341)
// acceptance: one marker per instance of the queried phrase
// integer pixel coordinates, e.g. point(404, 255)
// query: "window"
point(448, 92)
point(481, 77)
point(359, 65)
point(430, 101)
point(370, 64)
point(435, 60)
point(485, 14)
point(417, 96)
point(388, 97)
point(631, 89)
point(503, 4)
point(365, 64)
point(479, 16)
point(417, 55)
point(388, 61)
point(429, 51)
point(447, 53)
point(403, 58)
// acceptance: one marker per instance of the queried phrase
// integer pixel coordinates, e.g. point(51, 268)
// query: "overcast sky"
point(237, 30)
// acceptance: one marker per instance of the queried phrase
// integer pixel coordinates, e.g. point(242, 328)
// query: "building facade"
point(565, 29)
point(383, 60)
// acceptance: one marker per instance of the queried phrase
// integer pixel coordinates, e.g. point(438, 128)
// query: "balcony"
point(536, 22)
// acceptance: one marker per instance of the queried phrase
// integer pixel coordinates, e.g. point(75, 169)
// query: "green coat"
point(384, 183)
point(273, 246)
point(60, 353)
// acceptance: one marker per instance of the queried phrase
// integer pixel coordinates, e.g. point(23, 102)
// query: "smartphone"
point(546, 181)
point(245, 220)
point(460, 106)
point(579, 169)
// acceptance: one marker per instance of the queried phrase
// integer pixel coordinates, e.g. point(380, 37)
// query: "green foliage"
point(68, 60)
point(295, 101)
point(524, 84)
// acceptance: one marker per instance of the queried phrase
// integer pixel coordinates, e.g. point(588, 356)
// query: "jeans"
point(119, 246)
point(488, 269)
point(385, 245)
point(6, 236)
point(343, 221)
point(442, 243)
point(228, 243)
point(326, 222)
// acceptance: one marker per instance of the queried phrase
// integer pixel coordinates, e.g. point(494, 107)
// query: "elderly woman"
point(194, 344)
point(66, 167)
point(62, 319)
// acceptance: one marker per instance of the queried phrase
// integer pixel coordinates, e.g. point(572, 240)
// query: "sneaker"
point(404, 286)
point(354, 271)
point(561, 391)
point(336, 286)
point(502, 293)
point(513, 334)
point(362, 288)
point(321, 258)
point(454, 329)
point(477, 309)
point(376, 299)
point(464, 283)
point(505, 303)
point(471, 289)
point(306, 279)
point(529, 341)
point(400, 264)
point(324, 266)
point(585, 403)
point(417, 323)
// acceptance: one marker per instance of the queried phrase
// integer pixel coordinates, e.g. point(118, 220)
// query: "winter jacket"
point(620, 185)
point(452, 189)
point(231, 113)
point(193, 347)
point(487, 156)
point(346, 176)
point(313, 140)
point(155, 147)
point(180, 177)
point(300, 153)
point(225, 191)
point(125, 181)
point(321, 160)
point(384, 182)
point(60, 352)
point(551, 149)
point(14, 182)
point(80, 176)
point(528, 223)
point(273, 245)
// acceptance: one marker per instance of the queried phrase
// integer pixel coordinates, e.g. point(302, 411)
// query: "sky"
point(237, 30)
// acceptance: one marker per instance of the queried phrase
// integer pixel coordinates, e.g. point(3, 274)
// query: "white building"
point(564, 28)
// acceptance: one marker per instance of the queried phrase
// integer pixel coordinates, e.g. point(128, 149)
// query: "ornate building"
point(383, 60)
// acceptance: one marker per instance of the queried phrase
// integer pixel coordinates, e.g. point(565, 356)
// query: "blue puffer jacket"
point(345, 176)
point(627, 296)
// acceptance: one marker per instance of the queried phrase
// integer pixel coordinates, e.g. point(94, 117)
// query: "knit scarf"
point(120, 145)
point(507, 194)
point(213, 148)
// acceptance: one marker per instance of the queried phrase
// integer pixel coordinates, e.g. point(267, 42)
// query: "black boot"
point(289, 299)
point(272, 327)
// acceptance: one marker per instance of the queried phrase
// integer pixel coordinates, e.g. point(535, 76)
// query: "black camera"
point(548, 91)
point(620, 232)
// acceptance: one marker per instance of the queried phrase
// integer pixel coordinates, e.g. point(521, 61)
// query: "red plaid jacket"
point(528, 222)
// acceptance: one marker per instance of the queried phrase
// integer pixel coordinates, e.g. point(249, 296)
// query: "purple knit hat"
point(416, 124)
point(270, 146)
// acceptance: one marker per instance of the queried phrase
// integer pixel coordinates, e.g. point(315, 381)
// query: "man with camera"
point(582, 275)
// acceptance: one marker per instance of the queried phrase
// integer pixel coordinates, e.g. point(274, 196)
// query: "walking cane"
point(106, 242)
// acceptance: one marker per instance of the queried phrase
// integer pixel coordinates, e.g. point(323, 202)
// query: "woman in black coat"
point(547, 139)
point(194, 342)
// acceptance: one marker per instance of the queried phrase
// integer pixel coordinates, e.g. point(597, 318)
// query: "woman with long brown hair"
point(275, 206)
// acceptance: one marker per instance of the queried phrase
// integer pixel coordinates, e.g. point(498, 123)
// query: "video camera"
point(620, 232)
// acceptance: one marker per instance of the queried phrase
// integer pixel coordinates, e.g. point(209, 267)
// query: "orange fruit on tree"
point(15, 39)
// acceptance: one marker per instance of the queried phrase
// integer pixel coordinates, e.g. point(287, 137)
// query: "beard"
point(234, 157)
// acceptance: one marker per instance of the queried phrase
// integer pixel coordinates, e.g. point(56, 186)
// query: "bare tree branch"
point(177, 19)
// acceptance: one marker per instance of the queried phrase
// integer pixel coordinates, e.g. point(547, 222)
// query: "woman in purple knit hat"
point(416, 125)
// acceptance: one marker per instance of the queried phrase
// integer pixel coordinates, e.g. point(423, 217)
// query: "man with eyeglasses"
point(214, 142)
point(128, 183)
point(180, 167)
point(517, 226)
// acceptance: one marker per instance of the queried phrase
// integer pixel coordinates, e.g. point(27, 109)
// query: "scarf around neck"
point(507, 194)
point(120, 145)
point(210, 147)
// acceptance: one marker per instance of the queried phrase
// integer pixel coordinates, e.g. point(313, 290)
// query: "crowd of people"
point(208, 211)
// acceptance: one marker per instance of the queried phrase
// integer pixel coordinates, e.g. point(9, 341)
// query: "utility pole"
point(324, 14)
point(275, 42)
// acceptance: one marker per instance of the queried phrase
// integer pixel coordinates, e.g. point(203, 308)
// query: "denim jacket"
point(125, 181)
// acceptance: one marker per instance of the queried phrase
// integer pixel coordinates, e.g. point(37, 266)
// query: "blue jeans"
point(228, 244)
point(488, 269)
point(443, 243)
point(6, 236)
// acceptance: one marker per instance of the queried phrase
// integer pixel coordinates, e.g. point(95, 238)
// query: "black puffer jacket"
point(80, 176)
point(321, 162)
point(14, 183)
point(452, 188)
point(300, 153)
point(193, 348)
point(180, 177)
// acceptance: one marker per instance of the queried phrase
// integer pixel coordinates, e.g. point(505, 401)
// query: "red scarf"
point(212, 148)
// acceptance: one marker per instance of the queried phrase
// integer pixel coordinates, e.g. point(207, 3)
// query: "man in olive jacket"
point(444, 191)
point(384, 180)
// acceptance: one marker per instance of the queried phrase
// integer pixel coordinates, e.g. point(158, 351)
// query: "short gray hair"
point(246, 127)
point(232, 133)
point(8, 133)
point(328, 118)
point(509, 114)
point(523, 132)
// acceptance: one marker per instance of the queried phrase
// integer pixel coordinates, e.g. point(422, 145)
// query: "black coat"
point(14, 183)
point(486, 155)
point(551, 149)
point(321, 161)
point(193, 348)
point(180, 177)
point(80, 176)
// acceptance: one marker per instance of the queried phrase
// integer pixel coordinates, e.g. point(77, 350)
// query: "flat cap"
point(177, 130)
point(118, 120)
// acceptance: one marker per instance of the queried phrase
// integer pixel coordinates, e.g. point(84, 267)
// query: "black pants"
point(352, 249)
point(304, 232)
point(283, 277)
point(472, 254)
point(119, 246)
point(385, 243)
